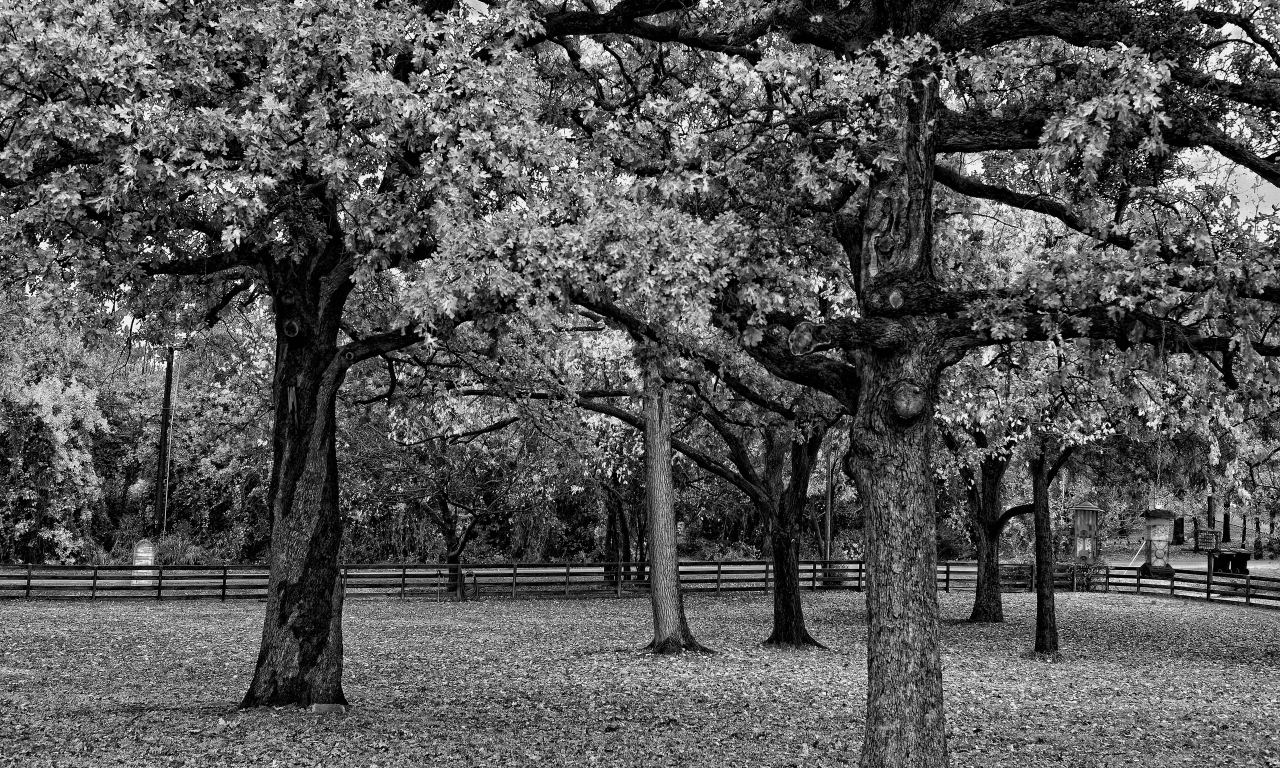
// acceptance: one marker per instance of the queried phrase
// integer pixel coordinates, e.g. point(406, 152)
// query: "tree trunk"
point(670, 627)
point(988, 605)
point(1046, 617)
point(788, 612)
point(892, 437)
point(892, 467)
point(985, 527)
point(300, 661)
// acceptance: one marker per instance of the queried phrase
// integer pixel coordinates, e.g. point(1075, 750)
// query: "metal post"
point(160, 582)
point(93, 586)
point(28, 579)
point(224, 583)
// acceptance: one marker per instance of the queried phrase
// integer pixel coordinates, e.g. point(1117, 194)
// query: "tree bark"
point(985, 527)
point(300, 660)
point(892, 436)
point(670, 627)
point(1046, 616)
point(788, 612)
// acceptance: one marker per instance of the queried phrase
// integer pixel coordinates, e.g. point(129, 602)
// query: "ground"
point(1144, 681)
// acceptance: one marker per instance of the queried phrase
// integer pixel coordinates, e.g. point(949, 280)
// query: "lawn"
point(1144, 681)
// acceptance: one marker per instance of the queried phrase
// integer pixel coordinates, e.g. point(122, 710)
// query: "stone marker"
point(144, 553)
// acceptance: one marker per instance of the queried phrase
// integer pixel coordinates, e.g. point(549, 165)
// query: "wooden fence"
point(532, 580)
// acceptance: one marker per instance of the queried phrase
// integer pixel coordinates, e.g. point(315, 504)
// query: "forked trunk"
point(670, 627)
point(788, 612)
point(300, 660)
point(1046, 616)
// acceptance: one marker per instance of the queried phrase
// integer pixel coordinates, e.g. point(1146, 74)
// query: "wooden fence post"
point(404, 577)
point(1138, 587)
point(1208, 583)
point(93, 586)
point(719, 575)
point(1247, 579)
point(1173, 581)
point(159, 582)
point(767, 570)
point(859, 572)
point(946, 585)
point(515, 569)
point(1073, 577)
point(617, 579)
point(28, 579)
point(566, 579)
point(224, 583)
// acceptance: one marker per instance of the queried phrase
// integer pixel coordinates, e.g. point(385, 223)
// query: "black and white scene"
point(635, 383)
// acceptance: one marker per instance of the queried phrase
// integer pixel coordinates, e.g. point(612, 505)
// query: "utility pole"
point(162, 458)
point(830, 494)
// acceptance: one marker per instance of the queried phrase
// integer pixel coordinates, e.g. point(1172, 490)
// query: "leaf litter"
point(547, 683)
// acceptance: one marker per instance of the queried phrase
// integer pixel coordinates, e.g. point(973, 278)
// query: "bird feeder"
point(1085, 522)
point(1159, 535)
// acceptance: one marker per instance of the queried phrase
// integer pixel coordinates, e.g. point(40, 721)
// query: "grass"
point(1143, 681)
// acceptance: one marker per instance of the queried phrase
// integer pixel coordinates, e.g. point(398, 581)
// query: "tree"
point(832, 126)
point(293, 149)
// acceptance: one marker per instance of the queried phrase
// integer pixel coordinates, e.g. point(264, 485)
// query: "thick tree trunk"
point(300, 661)
point(988, 605)
point(670, 627)
point(1046, 617)
point(892, 467)
point(892, 437)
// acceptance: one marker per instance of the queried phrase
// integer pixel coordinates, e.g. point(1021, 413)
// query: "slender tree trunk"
point(788, 612)
point(670, 627)
point(300, 661)
point(1046, 616)
point(985, 527)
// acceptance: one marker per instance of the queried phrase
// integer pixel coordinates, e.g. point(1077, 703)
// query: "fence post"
point(28, 579)
point(1138, 588)
point(224, 583)
point(766, 576)
point(1208, 583)
point(437, 584)
point(617, 579)
point(1106, 578)
point(159, 582)
point(859, 572)
point(1248, 578)
point(515, 568)
point(947, 583)
point(719, 575)
point(93, 585)
point(566, 579)
point(1173, 581)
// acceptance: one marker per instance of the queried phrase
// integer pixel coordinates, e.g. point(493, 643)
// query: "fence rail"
point(533, 580)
